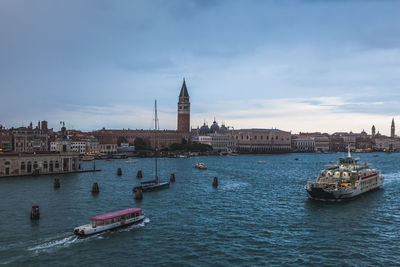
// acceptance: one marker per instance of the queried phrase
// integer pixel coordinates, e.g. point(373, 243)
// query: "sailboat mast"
point(155, 138)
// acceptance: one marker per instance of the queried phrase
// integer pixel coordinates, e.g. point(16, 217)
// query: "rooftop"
point(115, 214)
point(262, 130)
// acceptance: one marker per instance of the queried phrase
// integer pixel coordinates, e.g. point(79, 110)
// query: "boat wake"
point(134, 226)
point(54, 244)
point(234, 186)
point(391, 177)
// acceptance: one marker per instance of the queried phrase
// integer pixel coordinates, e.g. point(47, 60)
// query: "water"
point(259, 215)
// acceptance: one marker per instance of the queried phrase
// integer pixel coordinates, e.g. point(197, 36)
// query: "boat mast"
point(156, 125)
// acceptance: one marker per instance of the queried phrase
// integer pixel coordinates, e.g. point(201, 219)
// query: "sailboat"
point(155, 184)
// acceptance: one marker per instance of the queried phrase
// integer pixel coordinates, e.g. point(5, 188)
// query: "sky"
point(300, 66)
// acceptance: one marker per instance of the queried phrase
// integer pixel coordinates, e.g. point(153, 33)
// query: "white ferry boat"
point(345, 180)
point(110, 221)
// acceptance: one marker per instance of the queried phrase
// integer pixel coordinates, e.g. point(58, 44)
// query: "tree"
point(140, 143)
point(121, 139)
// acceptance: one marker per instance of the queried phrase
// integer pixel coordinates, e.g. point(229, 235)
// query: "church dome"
point(204, 129)
point(223, 128)
point(214, 127)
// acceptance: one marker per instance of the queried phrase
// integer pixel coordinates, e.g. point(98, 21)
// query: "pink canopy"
point(114, 214)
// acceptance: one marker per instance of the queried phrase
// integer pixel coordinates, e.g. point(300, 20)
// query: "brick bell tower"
point(184, 110)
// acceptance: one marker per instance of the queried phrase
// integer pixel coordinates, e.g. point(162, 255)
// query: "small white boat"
point(262, 162)
point(110, 221)
point(87, 158)
point(130, 161)
point(200, 166)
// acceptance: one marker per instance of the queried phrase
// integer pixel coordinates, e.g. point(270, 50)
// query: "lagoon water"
point(259, 215)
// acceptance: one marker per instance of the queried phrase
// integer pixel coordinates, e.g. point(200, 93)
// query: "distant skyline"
point(306, 65)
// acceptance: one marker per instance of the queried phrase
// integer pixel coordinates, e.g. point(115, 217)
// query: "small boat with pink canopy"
point(110, 221)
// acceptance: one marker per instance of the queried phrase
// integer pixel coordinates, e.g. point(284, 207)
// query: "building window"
point(22, 166)
point(29, 167)
point(35, 165)
point(57, 164)
point(45, 165)
point(255, 137)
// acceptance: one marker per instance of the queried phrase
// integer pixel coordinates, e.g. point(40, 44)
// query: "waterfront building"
point(41, 162)
point(108, 148)
point(29, 139)
point(165, 137)
point(341, 140)
point(92, 145)
point(364, 142)
point(25, 163)
point(79, 147)
point(224, 143)
point(5, 140)
point(303, 144)
point(321, 140)
point(184, 110)
point(385, 143)
point(262, 140)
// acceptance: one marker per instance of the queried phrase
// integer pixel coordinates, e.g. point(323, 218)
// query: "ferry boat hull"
point(318, 193)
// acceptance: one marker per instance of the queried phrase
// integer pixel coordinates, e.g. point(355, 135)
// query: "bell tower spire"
point(184, 109)
point(392, 129)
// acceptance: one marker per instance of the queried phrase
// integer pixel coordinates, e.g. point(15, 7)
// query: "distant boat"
point(111, 220)
point(201, 166)
point(155, 184)
point(130, 161)
point(262, 162)
point(87, 158)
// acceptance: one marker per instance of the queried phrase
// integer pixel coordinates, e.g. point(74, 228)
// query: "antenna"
point(156, 125)
point(155, 138)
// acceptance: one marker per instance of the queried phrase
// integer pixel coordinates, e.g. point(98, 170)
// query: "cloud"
point(106, 62)
point(322, 114)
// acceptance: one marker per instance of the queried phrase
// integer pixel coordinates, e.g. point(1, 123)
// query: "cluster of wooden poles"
point(35, 213)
